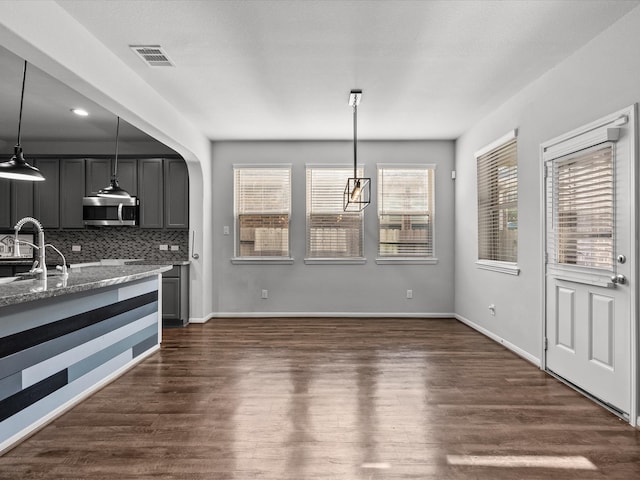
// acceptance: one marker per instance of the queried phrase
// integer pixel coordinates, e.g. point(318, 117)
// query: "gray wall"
point(600, 78)
point(369, 289)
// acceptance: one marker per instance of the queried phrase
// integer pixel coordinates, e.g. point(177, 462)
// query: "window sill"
point(406, 261)
point(335, 261)
point(262, 260)
point(500, 267)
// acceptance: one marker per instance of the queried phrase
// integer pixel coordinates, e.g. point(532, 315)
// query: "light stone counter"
point(78, 280)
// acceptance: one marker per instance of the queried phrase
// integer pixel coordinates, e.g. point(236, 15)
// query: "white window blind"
point(583, 209)
point(405, 211)
point(262, 205)
point(331, 232)
point(498, 203)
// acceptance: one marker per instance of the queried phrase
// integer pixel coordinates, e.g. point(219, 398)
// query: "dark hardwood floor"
point(331, 399)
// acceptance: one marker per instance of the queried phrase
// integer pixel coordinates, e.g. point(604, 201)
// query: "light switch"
point(226, 230)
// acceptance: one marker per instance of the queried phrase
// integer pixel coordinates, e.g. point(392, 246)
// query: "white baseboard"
point(517, 350)
point(330, 315)
point(204, 319)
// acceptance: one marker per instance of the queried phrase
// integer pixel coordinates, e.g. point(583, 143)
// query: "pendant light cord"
point(115, 163)
point(355, 141)
point(24, 77)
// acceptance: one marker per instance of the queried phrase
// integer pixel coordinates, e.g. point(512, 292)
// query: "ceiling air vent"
point(152, 55)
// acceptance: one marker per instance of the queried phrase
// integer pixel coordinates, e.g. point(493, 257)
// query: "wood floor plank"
point(301, 398)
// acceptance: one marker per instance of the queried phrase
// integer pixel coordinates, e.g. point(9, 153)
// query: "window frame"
point(275, 259)
point(310, 260)
point(408, 259)
point(501, 266)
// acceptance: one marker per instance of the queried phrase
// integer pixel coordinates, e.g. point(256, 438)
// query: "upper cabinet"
point(176, 194)
point(21, 200)
point(163, 190)
point(46, 195)
point(98, 175)
point(128, 175)
point(72, 188)
point(150, 175)
point(162, 186)
point(5, 203)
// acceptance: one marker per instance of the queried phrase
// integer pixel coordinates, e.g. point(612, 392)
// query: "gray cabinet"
point(5, 203)
point(176, 194)
point(46, 199)
point(150, 174)
point(21, 201)
point(128, 175)
point(162, 185)
point(17, 202)
point(72, 188)
point(175, 296)
point(97, 175)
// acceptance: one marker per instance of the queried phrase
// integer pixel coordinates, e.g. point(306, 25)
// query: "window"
point(498, 202)
point(583, 208)
point(406, 211)
point(262, 207)
point(332, 233)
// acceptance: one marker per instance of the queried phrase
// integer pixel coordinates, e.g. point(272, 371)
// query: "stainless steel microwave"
point(105, 211)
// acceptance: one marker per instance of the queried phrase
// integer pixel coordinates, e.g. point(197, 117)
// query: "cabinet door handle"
point(193, 246)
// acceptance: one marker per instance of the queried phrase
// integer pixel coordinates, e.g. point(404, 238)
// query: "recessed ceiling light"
point(80, 112)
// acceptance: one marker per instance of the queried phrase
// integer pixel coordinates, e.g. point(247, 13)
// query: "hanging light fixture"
point(357, 193)
point(17, 168)
point(114, 190)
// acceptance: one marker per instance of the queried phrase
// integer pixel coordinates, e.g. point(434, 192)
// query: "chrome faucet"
point(41, 268)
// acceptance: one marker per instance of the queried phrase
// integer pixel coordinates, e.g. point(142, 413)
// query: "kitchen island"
point(62, 339)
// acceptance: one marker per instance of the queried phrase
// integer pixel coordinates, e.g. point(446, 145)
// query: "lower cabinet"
point(13, 270)
point(175, 296)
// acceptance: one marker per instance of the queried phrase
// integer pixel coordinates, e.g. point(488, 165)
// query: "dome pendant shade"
point(113, 190)
point(18, 169)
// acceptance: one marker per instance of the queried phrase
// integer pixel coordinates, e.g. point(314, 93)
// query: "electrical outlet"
point(76, 248)
point(164, 247)
point(409, 293)
point(226, 230)
point(265, 293)
point(175, 248)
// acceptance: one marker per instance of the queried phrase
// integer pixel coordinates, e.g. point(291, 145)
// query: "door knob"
point(619, 279)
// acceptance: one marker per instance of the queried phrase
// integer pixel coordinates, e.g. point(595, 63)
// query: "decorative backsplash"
point(120, 242)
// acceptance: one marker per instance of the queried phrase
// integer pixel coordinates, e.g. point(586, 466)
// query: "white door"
point(590, 258)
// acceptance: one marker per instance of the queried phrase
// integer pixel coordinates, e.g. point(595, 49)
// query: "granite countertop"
point(79, 280)
point(16, 261)
point(159, 262)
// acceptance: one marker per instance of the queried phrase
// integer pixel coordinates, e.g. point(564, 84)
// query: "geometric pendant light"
point(357, 193)
point(17, 168)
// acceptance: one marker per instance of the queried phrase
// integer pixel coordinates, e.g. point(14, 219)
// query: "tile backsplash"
point(120, 242)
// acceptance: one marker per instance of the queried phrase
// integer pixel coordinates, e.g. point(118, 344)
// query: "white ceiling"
point(283, 69)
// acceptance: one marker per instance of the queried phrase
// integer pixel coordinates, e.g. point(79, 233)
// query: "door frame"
point(613, 120)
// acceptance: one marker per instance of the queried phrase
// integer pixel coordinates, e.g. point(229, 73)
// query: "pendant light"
point(357, 193)
point(17, 168)
point(114, 190)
